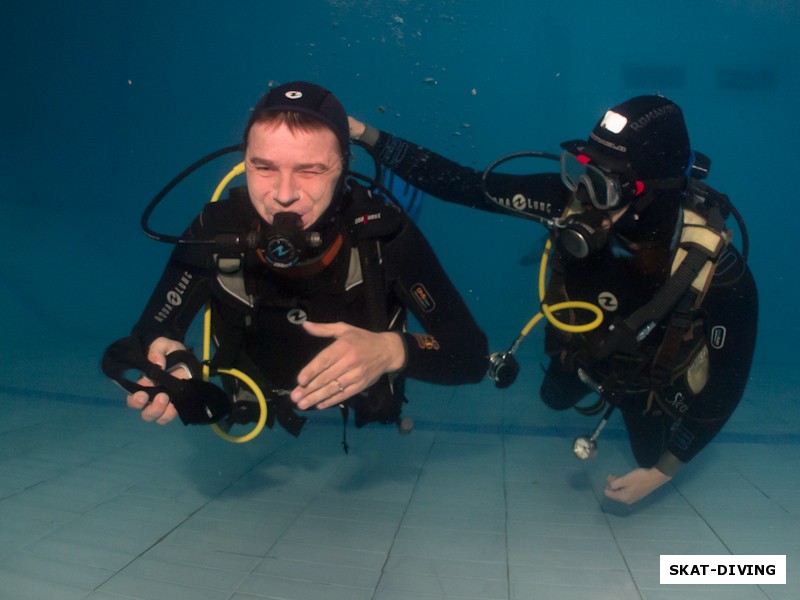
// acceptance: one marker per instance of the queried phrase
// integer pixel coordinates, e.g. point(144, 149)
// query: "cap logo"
point(293, 95)
point(614, 122)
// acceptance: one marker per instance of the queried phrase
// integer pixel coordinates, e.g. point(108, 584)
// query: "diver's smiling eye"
point(268, 169)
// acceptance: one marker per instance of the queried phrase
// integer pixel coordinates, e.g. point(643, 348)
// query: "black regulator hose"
point(742, 228)
point(251, 239)
point(172, 239)
point(508, 157)
point(374, 183)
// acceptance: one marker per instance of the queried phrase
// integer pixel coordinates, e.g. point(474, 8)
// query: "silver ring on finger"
point(341, 387)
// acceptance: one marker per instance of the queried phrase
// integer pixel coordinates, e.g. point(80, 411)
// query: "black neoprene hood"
point(310, 99)
point(644, 137)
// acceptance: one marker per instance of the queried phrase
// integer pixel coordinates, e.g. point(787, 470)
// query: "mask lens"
point(603, 191)
point(571, 170)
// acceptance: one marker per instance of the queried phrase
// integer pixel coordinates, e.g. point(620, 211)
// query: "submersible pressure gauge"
point(585, 446)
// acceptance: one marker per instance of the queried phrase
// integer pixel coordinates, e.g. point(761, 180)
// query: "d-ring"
point(339, 383)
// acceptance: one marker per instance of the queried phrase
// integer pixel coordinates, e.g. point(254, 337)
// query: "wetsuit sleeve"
point(731, 323)
point(180, 293)
point(453, 350)
point(528, 196)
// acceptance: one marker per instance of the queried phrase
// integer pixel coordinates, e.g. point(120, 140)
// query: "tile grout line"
point(182, 522)
point(402, 518)
point(613, 533)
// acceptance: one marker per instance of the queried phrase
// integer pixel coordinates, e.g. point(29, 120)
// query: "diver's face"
point(291, 171)
point(609, 217)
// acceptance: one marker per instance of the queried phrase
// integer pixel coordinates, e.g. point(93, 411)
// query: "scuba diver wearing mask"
point(309, 276)
point(636, 234)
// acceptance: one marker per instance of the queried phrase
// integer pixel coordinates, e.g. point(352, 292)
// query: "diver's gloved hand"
point(170, 383)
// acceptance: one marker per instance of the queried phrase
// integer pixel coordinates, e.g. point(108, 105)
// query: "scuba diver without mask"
point(639, 237)
point(280, 185)
point(309, 275)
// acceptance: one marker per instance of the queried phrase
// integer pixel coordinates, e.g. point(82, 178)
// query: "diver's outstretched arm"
point(536, 196)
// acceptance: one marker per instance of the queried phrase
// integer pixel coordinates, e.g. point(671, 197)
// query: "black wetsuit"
point(258, 327)
point(665, 420)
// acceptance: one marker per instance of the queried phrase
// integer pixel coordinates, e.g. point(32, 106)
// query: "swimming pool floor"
point(96, 504)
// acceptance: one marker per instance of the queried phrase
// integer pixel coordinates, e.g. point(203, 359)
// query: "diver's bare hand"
point(357, 128)
point(352, 363)
point(160, 409)
point(635, 485)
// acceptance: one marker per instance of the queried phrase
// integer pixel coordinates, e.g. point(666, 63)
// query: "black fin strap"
point(200, 402)
point(184, 359)
point(197, 401)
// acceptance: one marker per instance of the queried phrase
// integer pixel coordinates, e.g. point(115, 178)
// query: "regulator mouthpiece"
point(285, 243)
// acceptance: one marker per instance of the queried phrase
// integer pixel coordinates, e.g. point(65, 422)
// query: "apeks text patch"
point(424, 300)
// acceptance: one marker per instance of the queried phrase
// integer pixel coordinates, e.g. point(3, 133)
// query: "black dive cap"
point(644, 137)
point(308, 98)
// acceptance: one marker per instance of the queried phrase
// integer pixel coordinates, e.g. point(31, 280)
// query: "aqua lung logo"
point(297, 316)
point(174, 297)
point(718, 335)
point(281, 252)
point(522, 203)
point(608, 301)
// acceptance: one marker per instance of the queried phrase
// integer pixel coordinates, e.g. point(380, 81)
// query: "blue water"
point(103, 102)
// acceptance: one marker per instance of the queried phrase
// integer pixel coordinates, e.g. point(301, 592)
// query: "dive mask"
point(605, 190)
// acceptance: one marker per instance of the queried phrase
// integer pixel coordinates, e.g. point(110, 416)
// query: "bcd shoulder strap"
point(700, 236)
point(709, 237)
point(701, 243)
point(372, 220)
